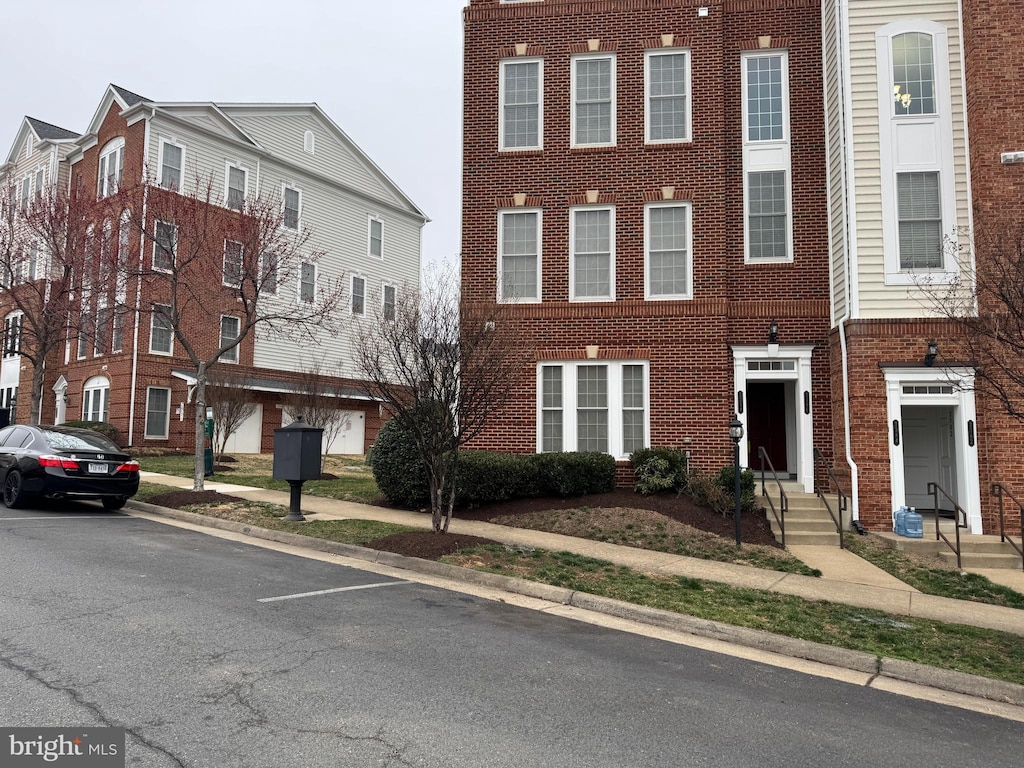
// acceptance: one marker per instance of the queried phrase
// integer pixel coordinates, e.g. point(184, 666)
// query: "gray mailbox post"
point(297, 459)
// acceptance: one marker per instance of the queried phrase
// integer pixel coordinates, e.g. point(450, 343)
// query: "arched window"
point(95, 399)
point(308, 142)
point(111, 167)
point(913, 74)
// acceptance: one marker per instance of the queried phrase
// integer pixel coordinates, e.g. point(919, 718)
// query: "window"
point(913, 74)
point(96, 399)
point(117, 331)
point(111, 167)
point(388, 301)
point(591, 263)
point(519, 255)
point(593, 406)
point(376, 238)
point(158, 412)
point(768, 226)
point(12, 335)
point(39, 184)
point(9, 400)
point(919, 212)
point(229, 330)
point(165, 246)
point(307, 282)
point(667, 241)
point(123, 234)
point(593, 100)
point(358, 295)
point(172, 163)
point(161, 334)
point(292, 207)
point(102, 331)
point(308, 142)
point(668, 103)
point(232, 264)
point(237, 178)
point(521, 88)
point(26, 192)
point(269, 269)
point(33, 261)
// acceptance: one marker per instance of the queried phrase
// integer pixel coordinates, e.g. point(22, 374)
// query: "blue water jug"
point(913, 524)
point(900, 525)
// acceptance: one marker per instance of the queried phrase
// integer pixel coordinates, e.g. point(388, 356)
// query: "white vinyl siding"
point(593, 100)
point(158, 413)
point(519, 238)
point(667, 237)
point(592, 254)
point(667, 98)
point(521, 94)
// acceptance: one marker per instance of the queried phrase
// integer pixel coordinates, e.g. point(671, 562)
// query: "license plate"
point(98, 468)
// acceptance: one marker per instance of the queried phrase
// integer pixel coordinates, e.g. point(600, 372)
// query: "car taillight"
point(129, 466)
point(57, 461)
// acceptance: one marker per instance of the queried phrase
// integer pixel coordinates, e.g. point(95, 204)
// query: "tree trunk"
point(200, 465)
point(38, 373)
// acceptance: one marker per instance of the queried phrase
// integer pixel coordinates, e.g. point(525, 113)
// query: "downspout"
point(138, 288)
point(849, 233)
point(967, 148)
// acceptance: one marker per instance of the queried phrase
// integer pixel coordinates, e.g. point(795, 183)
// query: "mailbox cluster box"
point(297, 452)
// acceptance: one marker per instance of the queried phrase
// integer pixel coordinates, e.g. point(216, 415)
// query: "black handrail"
point(999, 490)
point(933, 491)
point(837, 518)
point(780, 516)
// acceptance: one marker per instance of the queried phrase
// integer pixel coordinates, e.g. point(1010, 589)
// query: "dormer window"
point(111, 167)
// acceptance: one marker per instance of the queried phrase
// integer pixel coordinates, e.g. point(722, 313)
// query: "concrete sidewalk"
point(846, 578)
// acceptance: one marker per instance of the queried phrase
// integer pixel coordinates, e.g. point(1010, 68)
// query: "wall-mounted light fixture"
point(933, 352)
point(773, 332)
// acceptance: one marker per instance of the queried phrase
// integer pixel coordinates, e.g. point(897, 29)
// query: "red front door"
point(766, 423)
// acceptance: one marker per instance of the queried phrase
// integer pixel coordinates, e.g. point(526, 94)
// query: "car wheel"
point(114, 503)
point(13, 495)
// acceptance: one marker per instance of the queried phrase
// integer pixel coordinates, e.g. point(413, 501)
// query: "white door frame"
point(800, 371)
point(958, 384)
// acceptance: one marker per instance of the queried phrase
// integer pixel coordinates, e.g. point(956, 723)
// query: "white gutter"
point(138, 291)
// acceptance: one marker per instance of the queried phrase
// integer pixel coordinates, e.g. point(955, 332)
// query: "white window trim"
point(502, 299)
point(352, 296)
point(572, 99)
point(309, 143)
point(611, 254)
point(96, 384)
point(648, 55)
point(113, 147)
point(369, 237)
point(152, 325)
point(891, 165)
point(767, 156)
point(160, 164)
point(688, 207)
point(228, 165)
point(316, 282)
point(167, 416)
point(569, 403)
point(298, 219)
point(540, 104)
point(230, 355)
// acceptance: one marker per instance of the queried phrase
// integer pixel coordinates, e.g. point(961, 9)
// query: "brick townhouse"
point(129, 371)
point(697, 210)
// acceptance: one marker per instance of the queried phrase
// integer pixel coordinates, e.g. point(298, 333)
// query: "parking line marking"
point(329, 591)
point(67, 517)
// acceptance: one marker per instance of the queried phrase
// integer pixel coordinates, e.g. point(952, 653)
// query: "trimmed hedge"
point(106, 429)
point(397, 468)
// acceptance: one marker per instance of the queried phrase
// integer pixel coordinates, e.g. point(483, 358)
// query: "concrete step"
point(982, 559)
point(976, 551)
point(799, 538)
point(807, 526)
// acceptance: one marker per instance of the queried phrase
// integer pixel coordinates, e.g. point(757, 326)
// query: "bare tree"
point(985, 303)
point(232, 405)
point(443, 366)
point(317, 403)
point(52, 251)
point(203, 263)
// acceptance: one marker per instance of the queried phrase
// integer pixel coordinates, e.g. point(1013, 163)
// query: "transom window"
point(591, 266)
point(593, 100)
point(229, 330)
point(110, 167)
point(668, 104)
point(521, 97)
point(519, 255)
point(771, 365)
point(927, 389)
point(913, 74)
point(667, 243)
point(237, 178)
point(593, 406)
point(172, 164)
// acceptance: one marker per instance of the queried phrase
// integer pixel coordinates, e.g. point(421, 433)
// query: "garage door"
point(350, 434)
point(247, 437)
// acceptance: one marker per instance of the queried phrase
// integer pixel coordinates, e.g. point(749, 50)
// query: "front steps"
point(807, 521)
point(976, 551)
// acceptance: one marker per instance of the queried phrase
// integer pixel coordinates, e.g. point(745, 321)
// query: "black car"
point(64, 463)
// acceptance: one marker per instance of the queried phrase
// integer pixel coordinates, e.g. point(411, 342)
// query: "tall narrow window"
point(229, 330)
point(919, 212)
point(593, 100)
point(668, 104)
point(161, 334)
point(123, 235)
point(165, 244)
point(269, 267)
point(358, 295)
point(592, 408)
point(767, 219)
point(307, 282)
point(292, 204)
point(551, 408)
point(388, 301)
point(12, 335)
point(633, 417)
point(232, 263)
point(102, 332)
point(86, 324)
point(39, 184)
point(108, 179)
point(236, 184)
point(913, 74)
point(521, 125)
point(117, 331)
point(519, 256)
point(591, 242)
point(376, 235)
point(668, 251)
point(172, 163)
point(158, 412)
point(26, 192)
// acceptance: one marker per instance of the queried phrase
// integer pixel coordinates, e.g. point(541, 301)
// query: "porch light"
point(933, 352)
point(773, 332)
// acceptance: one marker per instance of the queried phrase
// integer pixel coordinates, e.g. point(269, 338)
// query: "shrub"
point(706, 491)
point(400, 473)
point(485, 477)
point(727, 479)
point(106, 429)
point(574, 474)
point(659, 469)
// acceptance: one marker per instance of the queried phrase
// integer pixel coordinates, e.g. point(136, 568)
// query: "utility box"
point(297, 452)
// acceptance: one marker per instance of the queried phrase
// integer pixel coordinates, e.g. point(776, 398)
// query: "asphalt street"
point(217, 653)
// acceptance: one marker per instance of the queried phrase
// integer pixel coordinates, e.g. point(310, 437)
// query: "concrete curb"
point(859, 661)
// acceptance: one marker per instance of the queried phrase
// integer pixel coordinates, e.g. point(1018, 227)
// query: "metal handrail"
point(933, 491)
point(841, 499)
point(780, 516)
point(999, 490)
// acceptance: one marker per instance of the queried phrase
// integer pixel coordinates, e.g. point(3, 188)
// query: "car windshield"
point(79, 441)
